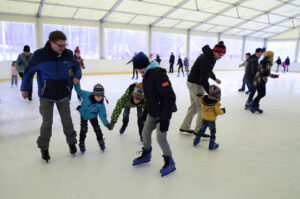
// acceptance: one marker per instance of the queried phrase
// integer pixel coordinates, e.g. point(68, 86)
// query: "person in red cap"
point(198, 84)
point(78, 58)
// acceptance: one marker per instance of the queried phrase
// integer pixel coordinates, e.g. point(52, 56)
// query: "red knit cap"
point(220, 48)
point(77, 49)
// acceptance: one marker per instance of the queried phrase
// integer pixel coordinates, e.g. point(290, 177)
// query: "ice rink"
point(259, 154)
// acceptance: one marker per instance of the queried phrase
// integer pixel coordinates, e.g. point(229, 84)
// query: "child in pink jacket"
point(14, 74)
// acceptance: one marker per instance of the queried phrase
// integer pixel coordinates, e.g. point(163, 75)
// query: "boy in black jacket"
point(160, 105)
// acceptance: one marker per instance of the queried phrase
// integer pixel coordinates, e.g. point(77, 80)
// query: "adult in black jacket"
point(133, 69)
point(158, 60)
point(197, 83)
point(278, 62)
point(287, 63)
point(171, 62)
point(160, 103)
point(251, 70)
point(180, 66)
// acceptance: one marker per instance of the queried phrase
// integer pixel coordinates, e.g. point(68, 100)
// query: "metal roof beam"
point(111, 11)
point(169, 12)
point(218, 14)
point(40, 8)
point(259, 15)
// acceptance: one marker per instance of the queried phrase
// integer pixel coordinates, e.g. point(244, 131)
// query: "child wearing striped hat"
point(133, 97)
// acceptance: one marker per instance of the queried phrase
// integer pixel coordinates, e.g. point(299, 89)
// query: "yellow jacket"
point(211, 108)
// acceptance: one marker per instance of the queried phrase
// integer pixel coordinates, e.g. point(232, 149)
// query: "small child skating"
point(14, 74)
point(133, 97)
point(92, 105)
point(210, 110)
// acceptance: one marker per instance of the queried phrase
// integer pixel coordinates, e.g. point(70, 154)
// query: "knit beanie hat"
point(214, 91)
point(220, 48)
point(26, 48)
point(77, 49)
point(138, 91)
point(98, 90)
point(140, 61)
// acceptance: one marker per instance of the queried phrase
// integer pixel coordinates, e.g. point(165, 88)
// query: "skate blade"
point(167, 173)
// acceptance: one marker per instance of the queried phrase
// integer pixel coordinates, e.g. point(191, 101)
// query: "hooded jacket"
point(263, 72)
point(52, 73)
point(210, 108)
point(202, 68)
point(158, 92)
point(90, 108)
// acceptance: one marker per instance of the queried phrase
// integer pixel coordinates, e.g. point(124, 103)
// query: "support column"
point(266, 43)
point(243, 48)
point(38, 34)
point(150, 40)
point(297, 48)
point(101, 41)
point(219, 37)
point(188, 43)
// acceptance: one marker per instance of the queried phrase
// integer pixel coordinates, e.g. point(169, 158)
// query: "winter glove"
point(110, 126)
point(199, 95)
point(78, 107)
point(21, 75)
point(224, 109)
point(164, 125)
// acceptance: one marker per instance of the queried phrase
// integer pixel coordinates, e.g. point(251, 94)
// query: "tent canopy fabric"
point(255, 18)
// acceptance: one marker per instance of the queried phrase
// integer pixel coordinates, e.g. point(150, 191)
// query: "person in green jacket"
point(133, 97)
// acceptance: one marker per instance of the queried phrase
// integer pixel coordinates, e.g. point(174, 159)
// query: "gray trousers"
point(195, 107)
point(150, 125)
point(46, 110)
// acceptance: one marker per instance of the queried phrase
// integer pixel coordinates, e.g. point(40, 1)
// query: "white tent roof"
point(256, 18)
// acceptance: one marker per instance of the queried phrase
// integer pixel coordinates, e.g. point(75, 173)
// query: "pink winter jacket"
point(14, 70)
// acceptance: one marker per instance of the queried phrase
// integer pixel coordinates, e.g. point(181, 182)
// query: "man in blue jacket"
point(52, 64)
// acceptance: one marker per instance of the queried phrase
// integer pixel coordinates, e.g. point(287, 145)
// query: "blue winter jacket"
point(52, 73)
point(89, 108)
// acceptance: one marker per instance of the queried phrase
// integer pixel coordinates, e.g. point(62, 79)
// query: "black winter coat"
point(287, 61)
point(251, 68)
point(202, 68)
point(172, 59)
point(278, 61)
point(159, 94)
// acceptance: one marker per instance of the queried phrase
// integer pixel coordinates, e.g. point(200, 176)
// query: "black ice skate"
point(73, 149)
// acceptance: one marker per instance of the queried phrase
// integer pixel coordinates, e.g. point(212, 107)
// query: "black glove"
point(110, 126)
point(199, 95)
point(164, 125)
point(224, 109)
point(78, 107)
point(21, 75)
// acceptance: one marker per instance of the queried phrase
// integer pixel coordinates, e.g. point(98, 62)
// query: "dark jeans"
point(244, 83)
point(171, 68)
point(261, 92)
point(180, 67)
point(133, 72)
point(46, 110)
point(126, 113)
point(212, 127)
point(252, 90)
point(84, 129)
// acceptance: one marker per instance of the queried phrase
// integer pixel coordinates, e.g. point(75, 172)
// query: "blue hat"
point(98, 90)
point(140, 61)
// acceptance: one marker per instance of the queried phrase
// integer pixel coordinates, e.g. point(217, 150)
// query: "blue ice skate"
point(168, 167)
point(144, 158)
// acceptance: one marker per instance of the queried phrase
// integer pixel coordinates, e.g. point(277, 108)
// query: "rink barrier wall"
point(111, 67)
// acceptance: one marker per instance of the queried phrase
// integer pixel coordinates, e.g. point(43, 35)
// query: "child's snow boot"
point(145, 157)
point(213, 145)
point(168, 167)
point(82, 147)
point(197, 139)
point(102, 145)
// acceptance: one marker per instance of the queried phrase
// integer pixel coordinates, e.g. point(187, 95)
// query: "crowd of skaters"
point(154, 98)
